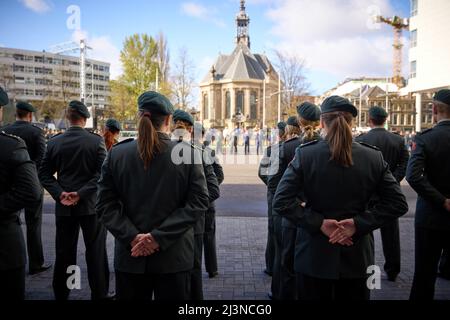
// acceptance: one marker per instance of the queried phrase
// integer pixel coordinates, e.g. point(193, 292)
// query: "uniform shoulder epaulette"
point(36, 126)
point(124, 141)
point(3, 133)
point(308, 143)
point(55, 135)
point(369, 146)
point(425, 131)
point(292, 139)
point(91, 132)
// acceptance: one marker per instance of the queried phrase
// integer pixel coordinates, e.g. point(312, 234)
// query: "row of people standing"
point(148, 201)
point(335, 192)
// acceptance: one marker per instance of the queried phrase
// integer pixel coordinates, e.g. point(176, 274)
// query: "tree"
point(183, 80)
point(291, 69)
point(139, 58)
point(122, 105)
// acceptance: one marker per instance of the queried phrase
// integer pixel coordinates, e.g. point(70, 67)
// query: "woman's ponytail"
point(339, 136)
point(148, 140)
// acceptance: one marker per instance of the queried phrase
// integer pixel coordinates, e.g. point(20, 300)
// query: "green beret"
point(80, 107)
point(336, 103)
point(181, 115)
point(152, 101)
point(113, 125)
point(292, 121)
point(377, 113)
point(4, 100)
point(443, 96)
point(309, 111)
point(198, 127)
point(281, 125)
point(22, 105)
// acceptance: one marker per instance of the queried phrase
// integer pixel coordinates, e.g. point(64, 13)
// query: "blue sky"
point(335, 37)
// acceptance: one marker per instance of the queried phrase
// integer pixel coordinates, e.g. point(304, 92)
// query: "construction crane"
point(398, 24)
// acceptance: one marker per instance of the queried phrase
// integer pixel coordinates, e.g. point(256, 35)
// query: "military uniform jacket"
point(166, 200)
point(19, 185)
point(218, 171)
point(428, 174)
point(77, 157)
point(33, 137)
point(212, 185)
point(336, 192)
point(393, 148)
point(286, 155)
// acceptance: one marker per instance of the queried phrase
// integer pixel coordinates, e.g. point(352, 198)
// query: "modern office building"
point(429, 52)
point(49, 81)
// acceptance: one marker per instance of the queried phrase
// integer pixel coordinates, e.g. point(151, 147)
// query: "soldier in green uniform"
point(184, 131)
point(394, 151)
point(76, 156)
point(428, 173)
point(308, 120)
point(35, 141)
point(269, 166)
point(337, 177)
point(209, 237)
point(19, 186)
point(150, 201)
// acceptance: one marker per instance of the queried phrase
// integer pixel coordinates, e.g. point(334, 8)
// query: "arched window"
point(227, 105)
point(240, 101)
point(253, 106)
point(205, 106)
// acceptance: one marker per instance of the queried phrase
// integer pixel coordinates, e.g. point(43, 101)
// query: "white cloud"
point(201, 12)
point(102, 49)
point(39, 6)
point(336, 36)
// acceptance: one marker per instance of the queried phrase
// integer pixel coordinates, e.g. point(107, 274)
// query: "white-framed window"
point(413, 39)
point(414, 6)
point(413, 69)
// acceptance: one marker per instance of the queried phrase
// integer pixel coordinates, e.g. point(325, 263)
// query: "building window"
point(205, 106)
point(413, 39)
point(395, 120)
point(414, 6)
point(227, 105)
point(240, 101)
point(413, 69)
point(253, 105)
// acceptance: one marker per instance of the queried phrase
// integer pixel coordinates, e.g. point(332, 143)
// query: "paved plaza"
point(241, 238)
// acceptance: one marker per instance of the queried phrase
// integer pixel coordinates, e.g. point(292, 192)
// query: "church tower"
point(242, 23)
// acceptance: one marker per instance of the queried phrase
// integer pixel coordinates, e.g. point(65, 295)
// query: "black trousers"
point(173, 286)
point(287, 274)
point(444, 265)
point(390, 237)
point(315, 289)
point(33, 220)
point(247, 148)
point(209, 243)
point(428, 249)
point(278, 244)
point(94, 235)
point(12, 284)
point(196, 272)
point(270, 246)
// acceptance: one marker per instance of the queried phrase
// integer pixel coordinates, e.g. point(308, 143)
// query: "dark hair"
point(378, 121)
point(73, 115)
point(442, 107)
point(21, 113)
point(339, 136)
point(149, 144)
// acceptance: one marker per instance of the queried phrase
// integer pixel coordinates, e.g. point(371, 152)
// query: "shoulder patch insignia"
point(308, 143)
point(124, 141)
point(369, 146)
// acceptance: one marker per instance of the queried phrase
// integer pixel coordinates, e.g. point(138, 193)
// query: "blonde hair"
point(291, 132)
point(309, 128)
